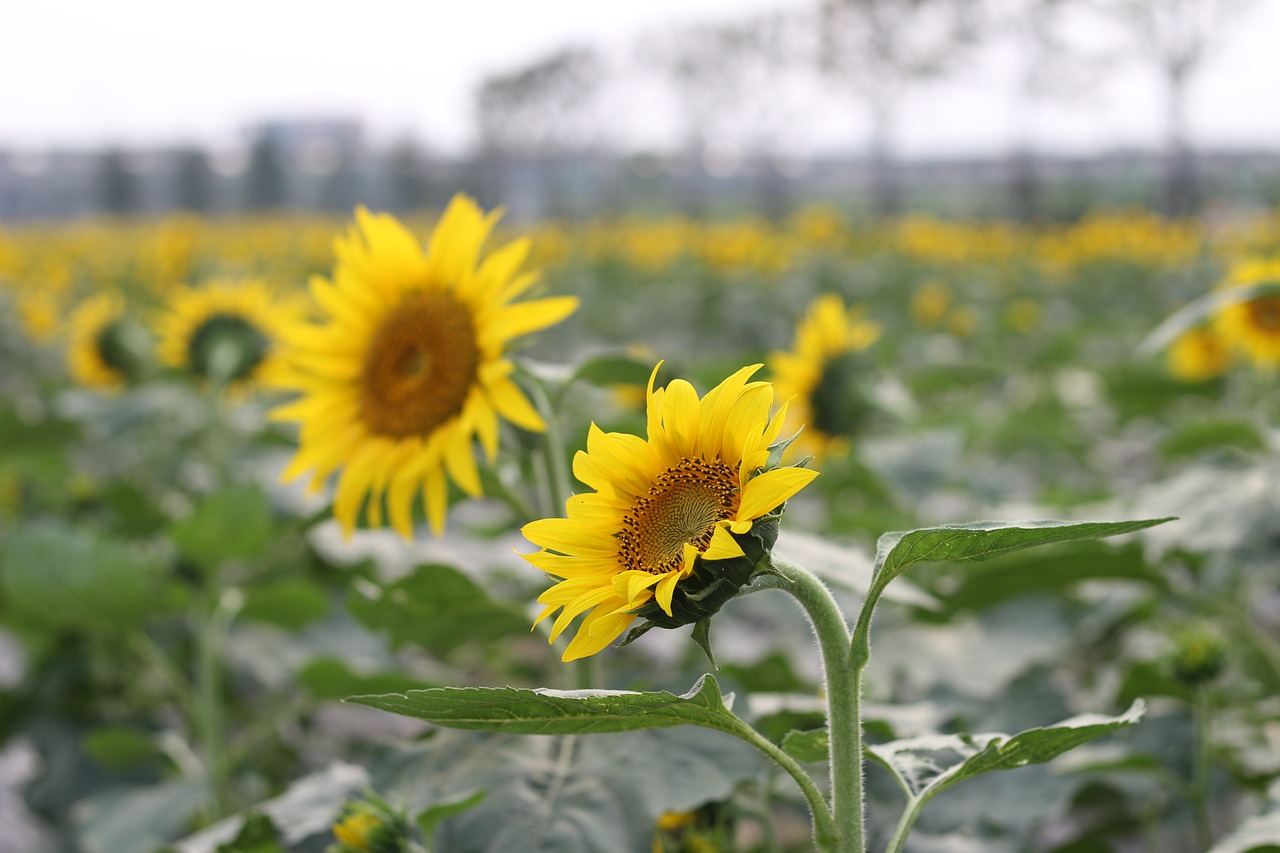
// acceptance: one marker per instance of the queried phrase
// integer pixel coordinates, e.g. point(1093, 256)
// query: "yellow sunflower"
point(1199, 354)
point(822, 374)
point(1253, 325)
point(226, 331)
point(676, 523)
point(104, 348)
point(407, 369)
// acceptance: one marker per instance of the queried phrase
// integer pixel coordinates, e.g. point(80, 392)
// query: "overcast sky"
point(88, 72)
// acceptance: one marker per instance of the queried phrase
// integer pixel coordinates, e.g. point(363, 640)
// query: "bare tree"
point(1177, 37)
point(542, 111)
point(727, 80)
point(1051, 61)
point(877, 49)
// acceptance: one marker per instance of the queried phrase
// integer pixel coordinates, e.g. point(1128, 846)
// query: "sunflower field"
point(355, 535)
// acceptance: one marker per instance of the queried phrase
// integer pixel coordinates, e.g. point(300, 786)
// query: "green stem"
point(212, 621)
point(908, 820)
point(844, 697)
point(553, 449)
point(1201, 714)
point(824, 828)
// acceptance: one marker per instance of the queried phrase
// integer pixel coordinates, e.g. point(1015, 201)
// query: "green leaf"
point(897, 552)
point(605, 370)
point(432, 816)
point(232, 524)
point(1194, 438)
point(807, 746)
point(289, 603)
point(308, 808)
point(927, 765)
point(330, 678)
point(59, 577)
point(138, 819)
point(258, 835)
point(561, 712)
point(1059, 569)
point(436, 608)
point(117, 747)
point(570, 794)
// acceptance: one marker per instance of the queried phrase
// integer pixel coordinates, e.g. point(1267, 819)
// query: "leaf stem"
point(1201, 714)
point(844, 696)
point(908, 820)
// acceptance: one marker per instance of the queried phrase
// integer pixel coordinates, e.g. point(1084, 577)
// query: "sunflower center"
point(838, 405)
point(682, 506)
point(420, 367)
point(1266, 314)
point(226, 347)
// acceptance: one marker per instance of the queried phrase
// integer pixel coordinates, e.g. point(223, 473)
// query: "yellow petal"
point(771, 489)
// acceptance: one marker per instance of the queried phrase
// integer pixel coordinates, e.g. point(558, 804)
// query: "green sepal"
point(702, 636)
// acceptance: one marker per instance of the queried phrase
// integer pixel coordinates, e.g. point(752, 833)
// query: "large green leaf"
point(925, 766)
point(138, 819)
point(59, 577)
point(598, 794)
point(437, 608)
point(289, 603)
point(561, 712)
point(232, 524)
point(897, 552)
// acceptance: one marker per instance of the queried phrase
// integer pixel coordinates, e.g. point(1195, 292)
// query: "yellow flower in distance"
point(821, 375)
point(1253, 326)
point(677, 522)
point(1199, 354)
point(407, 369)
point(354, 830)
point(225, 331)
point(104, 348)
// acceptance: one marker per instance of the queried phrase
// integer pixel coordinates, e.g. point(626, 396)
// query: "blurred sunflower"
point(676, 523)
point(1198, 354)
point(105, 348)
point(227, 332)
point(822, 375)
point(1254, 324)
point(407, 369)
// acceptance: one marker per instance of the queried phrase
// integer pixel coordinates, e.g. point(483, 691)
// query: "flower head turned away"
point(1253, 326)
point(676, 523)
point(1199, 354)
point(825, 375)
point(106, 350)
point(226, 332)
point(407, 368)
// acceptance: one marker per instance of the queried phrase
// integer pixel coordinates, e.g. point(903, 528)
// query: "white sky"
point(85, 72)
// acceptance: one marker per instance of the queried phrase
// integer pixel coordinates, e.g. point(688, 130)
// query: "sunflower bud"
point(1199, 655)
point(370, 827)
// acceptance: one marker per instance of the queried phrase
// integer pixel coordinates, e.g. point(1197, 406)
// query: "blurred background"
point(567, 108)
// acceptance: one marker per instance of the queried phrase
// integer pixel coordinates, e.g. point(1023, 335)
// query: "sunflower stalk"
point(843, 683)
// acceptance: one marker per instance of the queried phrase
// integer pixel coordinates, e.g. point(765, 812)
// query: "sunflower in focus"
point(227, 332)
point(1253, 325)
point(407, 369)
point(676, 523)
point(823, 375)
point(1199, 354)
point(105, 348)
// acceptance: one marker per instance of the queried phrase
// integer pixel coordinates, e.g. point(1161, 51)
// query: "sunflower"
point(1253, 325)
point(1199, 354)
point(407, 369)
point(822, 375)
point(105, 348)
point(226, 332)
point(676, 523)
